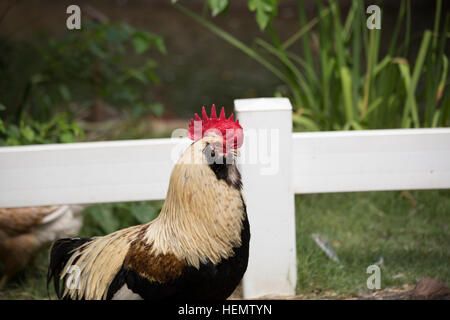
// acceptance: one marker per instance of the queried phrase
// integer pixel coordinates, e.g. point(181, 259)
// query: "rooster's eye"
point(210, 154)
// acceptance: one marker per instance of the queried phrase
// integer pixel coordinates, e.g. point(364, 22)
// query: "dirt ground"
point(425, 289)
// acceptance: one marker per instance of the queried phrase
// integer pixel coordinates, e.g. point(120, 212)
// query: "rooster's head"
point(219, 138)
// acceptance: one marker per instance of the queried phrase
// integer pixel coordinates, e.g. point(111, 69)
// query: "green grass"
point(30, 284)
point(409, 230)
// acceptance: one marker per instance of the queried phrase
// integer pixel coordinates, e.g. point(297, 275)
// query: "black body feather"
point(209, 282)
point(60, 253)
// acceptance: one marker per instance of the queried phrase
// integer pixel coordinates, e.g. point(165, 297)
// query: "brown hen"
point(25, 231)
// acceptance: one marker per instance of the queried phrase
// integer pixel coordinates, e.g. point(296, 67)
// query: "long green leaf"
point(410, 104)
point(381, 65)
point(411, 82)
point(356, 51)
point(437, 17)
point(306, 41)
point(300, 78)
point(441, 86)
point(351, 20)
point(420, 59)
point(346, 81)
point(306, 28)
point(312, 76)
point(233, 41)
point(398, 22)
point(305, 122)
point(368, 77)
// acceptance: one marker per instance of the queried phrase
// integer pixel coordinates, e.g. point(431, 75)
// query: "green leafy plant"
point(264, 10)
point(340, 81)
point(101, 219)
point(59, 129)
point(95, 64)
point(46, 84)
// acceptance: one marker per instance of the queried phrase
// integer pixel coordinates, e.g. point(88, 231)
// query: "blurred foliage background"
point(139, 68)
point(48, 83)
point(341, 78)
point(135, 60)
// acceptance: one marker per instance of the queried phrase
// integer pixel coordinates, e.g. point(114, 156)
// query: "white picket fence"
point(96, 172)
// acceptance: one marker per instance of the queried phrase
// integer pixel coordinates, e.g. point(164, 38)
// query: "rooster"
point(25, 231)
point(196, 249)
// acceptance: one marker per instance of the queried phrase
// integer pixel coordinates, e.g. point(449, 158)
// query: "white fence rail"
point(95, 172)
point(89, 172)
point(371, 160)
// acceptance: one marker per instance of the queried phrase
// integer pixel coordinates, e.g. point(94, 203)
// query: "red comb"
point(230, 130)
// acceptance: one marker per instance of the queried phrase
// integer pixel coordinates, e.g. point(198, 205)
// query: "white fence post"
point(266, 168)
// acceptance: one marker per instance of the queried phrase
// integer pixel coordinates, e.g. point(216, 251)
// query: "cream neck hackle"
point(202, 216)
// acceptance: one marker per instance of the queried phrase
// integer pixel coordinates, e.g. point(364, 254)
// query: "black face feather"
point(223, 167)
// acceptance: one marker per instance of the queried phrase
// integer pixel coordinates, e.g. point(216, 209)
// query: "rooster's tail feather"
point(60, 253)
